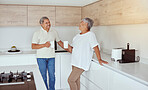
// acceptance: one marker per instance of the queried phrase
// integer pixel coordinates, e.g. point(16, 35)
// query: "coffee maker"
point(128, 55)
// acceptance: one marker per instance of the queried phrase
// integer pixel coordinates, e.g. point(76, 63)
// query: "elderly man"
point(45, 53)
point(82, 48)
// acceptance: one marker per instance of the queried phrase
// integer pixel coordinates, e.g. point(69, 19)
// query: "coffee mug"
point(52, 44)
point(65, 44)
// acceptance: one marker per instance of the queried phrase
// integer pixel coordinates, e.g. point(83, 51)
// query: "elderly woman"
point(82, 48)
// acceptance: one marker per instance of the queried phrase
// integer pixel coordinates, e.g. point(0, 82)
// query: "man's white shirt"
point(41, 37)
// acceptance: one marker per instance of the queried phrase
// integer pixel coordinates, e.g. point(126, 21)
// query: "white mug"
point(52, 44)
point(65, 44)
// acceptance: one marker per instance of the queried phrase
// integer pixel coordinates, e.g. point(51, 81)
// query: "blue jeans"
point(44, 64)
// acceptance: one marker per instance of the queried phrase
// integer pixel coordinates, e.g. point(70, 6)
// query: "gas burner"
point(17, 81)
point(14, 77)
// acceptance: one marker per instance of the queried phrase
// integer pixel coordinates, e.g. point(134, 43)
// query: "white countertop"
point(137, 71)
point(32, 68)
point(29, 52)
point(27, 65)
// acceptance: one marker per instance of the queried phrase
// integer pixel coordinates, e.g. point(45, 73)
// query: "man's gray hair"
point(89, 21)
point(42, 20)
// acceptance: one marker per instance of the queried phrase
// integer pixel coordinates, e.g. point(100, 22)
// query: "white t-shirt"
point(83, 50)
point(41, 37)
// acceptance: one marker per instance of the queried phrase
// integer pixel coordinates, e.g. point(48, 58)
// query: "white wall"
point(119, 35)
point(21, 37)
point(108, 36)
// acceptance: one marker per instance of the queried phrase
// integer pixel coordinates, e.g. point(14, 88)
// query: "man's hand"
point(101, 62)
point(47, 44)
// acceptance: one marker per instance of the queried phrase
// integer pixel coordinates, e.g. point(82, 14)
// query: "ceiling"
point(49, 2)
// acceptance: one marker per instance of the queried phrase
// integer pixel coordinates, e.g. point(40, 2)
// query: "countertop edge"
point(123, 73)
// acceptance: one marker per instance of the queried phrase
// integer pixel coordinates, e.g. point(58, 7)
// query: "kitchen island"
point(136, 70)
point(26, 60)
point(39, 83)
point(115, 75)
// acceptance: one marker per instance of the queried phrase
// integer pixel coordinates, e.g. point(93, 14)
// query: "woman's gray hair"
point(89, 21)
point(42, 20)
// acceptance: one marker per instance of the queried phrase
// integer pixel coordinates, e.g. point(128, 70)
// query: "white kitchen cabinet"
point(65, 70)
point(98, 75)
point(82, 87)
point(32, 60)
point(103, 78)
point(118, 81)
point(12, 60)
point(57, 71)
point(88, 84)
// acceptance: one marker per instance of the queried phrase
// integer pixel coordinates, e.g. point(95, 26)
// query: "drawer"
point(89, 84)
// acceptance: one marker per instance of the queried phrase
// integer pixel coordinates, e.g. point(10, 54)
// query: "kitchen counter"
point(23, 58)
point(26, 60)
point(137, 71)
point(32, 68)
point(20, 53)
point(29, 52)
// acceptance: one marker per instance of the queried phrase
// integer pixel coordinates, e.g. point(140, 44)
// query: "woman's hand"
point(69, 49)
point(101, 62)
point(99, 56)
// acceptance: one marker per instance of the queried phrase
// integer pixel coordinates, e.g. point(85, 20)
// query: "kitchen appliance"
point(17, 81)
point(124, 55)
point(128, 55)
point(116, 54)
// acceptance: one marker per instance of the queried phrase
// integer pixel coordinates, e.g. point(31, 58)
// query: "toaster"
point(116, 54)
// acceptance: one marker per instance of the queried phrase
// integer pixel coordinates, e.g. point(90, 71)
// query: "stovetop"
point(17, 81)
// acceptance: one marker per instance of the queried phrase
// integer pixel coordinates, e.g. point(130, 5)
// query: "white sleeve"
point(35, 39)
point(93, 41)
point(73, 40)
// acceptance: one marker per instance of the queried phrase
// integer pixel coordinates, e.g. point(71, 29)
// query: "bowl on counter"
point(13, 48)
